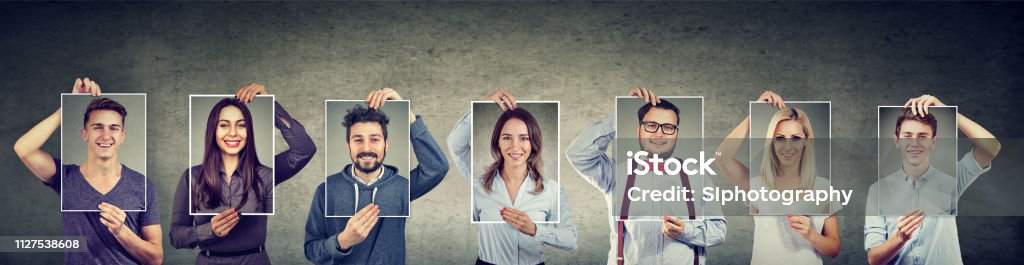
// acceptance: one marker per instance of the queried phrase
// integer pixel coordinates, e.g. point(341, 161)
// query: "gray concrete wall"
point(443, 55)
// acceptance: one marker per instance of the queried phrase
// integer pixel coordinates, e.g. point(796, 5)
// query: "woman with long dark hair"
point(231, 180)
point(513, 189)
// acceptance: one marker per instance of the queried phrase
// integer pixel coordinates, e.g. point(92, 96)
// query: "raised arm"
point(300, 146)
point(458, 138)
point(587, 152)
point(40, 163)
point(735, 171)
point(433, 165)
point(459, 147)
point(985, 144)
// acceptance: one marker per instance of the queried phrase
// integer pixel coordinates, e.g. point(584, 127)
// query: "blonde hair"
point(770, 166)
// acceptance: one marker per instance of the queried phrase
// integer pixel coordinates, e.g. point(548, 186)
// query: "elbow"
point(308, 252)
point(157, 257)
point(835, 251)
point(443, 167)
point(716, 241)
point(312, 149)
point(873, 257)
point(307, 149)
point(575, 159)
point(832, 254)
point(572, 244)
point(575, 152)
point(176, 242)
point(19, 149)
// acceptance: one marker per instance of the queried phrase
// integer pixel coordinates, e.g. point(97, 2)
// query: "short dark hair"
point(664, 104)
point(908, 114)
point(104, 104)
point(362, 114)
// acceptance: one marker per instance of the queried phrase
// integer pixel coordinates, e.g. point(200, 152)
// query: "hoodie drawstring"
point(373, 198)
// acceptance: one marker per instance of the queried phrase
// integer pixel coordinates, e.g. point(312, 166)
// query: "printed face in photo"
point(657, 132)
point(367, 146)
point(514, 142)
point(103, 133)
point(231, 130)
point(915, 141)
point(789, 139)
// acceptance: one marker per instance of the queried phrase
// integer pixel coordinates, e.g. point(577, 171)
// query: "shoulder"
point(266, 174)
point(136, 177)
point(264, 171)
point(68, 169)
point(345, 172)
point(132, 175)
point(756, 182)
point(192, 173)
point(821, 183)
point(895, 176)
point(320, 188)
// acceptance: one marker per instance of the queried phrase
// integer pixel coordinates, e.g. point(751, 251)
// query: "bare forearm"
point(734, 140)
point(825, 245)
point(733, 169)
point(34, 139)
point(984, 141)
point(884, 252)
point(140, 249)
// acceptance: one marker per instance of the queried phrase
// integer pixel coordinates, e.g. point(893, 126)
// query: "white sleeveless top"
point(774, 241)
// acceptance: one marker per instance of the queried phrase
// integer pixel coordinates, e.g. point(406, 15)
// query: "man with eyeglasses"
point(674, 240)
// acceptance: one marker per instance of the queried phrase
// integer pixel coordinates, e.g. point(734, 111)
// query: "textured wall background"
point(442, 55)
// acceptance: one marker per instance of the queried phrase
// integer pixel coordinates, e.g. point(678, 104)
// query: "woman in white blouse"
point(513, 194)
point(784, 234)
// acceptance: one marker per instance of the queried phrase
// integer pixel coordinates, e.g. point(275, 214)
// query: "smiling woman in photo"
point(513, 189)
point(231, 181)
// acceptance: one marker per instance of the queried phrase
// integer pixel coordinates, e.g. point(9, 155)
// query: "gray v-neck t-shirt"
point(132, 192)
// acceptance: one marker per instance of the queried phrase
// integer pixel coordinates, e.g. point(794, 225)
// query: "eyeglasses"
point(652, 127)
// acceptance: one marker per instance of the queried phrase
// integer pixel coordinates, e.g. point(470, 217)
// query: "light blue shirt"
point(936, 241)
point(500, 243)
point(643, 242)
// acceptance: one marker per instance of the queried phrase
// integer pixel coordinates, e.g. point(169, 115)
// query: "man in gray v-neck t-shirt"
point(127, 194)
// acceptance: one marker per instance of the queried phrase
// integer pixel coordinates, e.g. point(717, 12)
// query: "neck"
point(511, 173)
point(915, 171)
point(230, 164)
point(98, 167)
point(366, 177)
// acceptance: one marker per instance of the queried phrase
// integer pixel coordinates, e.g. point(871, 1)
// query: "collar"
point(352, 171)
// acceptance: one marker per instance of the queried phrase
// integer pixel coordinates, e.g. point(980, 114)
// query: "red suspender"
point(624, 214)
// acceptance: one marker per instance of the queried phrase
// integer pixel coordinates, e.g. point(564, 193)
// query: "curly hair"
point(362, 114)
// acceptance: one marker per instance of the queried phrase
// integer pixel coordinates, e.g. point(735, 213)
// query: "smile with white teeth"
point(105, 145)
point(915, 152)
point(788, 154)
point(232, 143)
point(515, 156)
point(658, 141)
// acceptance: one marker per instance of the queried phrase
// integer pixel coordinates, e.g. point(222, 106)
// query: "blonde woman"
point(787, 164)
